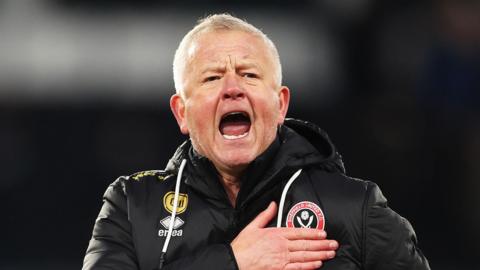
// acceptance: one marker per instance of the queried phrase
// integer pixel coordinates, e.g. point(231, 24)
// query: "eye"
point(250, 75)
point(211, 78)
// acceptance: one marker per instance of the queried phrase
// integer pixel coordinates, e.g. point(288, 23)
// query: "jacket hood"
point(307, 144)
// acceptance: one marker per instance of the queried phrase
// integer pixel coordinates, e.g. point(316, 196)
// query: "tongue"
point(235, 128)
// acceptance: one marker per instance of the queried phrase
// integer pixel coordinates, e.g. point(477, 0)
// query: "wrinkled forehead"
point(215, 44)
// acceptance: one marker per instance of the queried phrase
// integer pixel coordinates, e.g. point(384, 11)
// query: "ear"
point(177, 105)
point(283, 102)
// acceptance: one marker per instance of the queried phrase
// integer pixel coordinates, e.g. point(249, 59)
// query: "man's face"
point(231, 105)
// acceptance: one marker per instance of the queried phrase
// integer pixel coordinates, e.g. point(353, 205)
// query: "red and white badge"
point(306, 215)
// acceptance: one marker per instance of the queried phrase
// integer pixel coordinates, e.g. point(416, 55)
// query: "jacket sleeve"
point(111, 245)
point(389, 239)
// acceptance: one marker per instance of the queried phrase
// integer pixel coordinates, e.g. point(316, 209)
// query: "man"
point(250, 189)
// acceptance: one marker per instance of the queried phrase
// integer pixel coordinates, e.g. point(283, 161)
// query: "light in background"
point(49, 53)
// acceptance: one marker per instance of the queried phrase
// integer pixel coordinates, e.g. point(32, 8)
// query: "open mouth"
point(235, 125)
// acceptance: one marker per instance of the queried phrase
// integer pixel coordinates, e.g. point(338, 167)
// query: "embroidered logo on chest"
point(169, 198)
point(177, 223)
point(168, 203)
point(306, 215)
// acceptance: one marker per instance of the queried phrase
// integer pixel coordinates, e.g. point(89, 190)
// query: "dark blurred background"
point(84, 89)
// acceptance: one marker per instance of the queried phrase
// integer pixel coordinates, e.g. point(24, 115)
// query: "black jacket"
point(131, 228)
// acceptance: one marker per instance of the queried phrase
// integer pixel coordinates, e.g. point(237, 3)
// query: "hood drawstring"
point(174, 213)
point(284, 194)
point(175, 202)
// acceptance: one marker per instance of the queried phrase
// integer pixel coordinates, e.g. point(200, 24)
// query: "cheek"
point(268, 107)
point(200, 114)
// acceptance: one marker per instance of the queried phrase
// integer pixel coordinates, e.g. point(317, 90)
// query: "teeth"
point(234, 113)
point(234, 137)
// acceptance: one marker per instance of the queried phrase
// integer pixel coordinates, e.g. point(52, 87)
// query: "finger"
point(310, 256)
point(304, 266)
point(264, 217)
point(312, 245)
point(302, 233)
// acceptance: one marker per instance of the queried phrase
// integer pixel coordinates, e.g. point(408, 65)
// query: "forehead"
point(215, 45)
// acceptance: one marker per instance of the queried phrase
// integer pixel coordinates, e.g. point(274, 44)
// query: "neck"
point(231, 183)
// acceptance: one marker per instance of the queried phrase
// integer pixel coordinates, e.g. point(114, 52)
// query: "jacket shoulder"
point(343, 186)
point(138, 183)
point(156, 175)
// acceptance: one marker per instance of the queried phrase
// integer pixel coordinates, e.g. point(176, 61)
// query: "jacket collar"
point(298, 144)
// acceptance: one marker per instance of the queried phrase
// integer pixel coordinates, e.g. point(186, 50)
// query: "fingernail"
point(333, 244)
point(318, 264)
point(322, 234)
point(331, 254)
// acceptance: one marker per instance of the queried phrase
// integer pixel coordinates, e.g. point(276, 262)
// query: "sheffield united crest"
point(306, 215)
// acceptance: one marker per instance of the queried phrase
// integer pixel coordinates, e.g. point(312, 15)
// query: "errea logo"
point(176, 224)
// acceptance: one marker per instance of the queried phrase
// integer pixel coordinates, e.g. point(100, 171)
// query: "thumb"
point(264, 217)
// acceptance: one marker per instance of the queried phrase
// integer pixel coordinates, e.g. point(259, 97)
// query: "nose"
point(232, 89)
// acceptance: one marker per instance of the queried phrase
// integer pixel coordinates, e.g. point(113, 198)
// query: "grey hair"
point(218, 22)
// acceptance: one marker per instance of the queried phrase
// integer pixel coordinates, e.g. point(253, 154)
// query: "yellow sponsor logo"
point(182, 202)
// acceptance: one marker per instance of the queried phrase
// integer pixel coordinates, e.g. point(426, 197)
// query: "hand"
point(257, 247)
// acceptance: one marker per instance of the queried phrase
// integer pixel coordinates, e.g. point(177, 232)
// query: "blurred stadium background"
point(84, 89)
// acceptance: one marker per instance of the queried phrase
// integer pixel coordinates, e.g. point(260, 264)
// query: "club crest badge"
point(306, 215)
point(181, 205)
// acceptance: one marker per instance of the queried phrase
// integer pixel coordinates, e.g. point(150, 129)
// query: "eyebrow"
point(247, 65)
point(212, 67)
